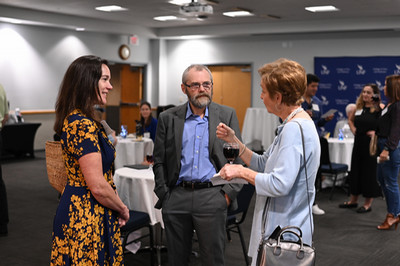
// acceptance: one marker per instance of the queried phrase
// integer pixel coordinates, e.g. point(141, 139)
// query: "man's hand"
point(329, 118)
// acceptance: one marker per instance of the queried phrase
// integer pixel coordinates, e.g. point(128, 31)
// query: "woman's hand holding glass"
point(230, 171)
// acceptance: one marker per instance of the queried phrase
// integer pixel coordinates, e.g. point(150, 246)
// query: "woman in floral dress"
point(86, 225)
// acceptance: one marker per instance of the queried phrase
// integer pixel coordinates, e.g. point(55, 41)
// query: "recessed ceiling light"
point(11, 20)
point(238, 13)
point(111, 8)
point(179, 2)
point(321, 8)
point(80, 29)
point(168, 18)
point(192, 37)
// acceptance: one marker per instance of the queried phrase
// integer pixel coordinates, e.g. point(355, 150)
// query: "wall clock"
point(124, 51)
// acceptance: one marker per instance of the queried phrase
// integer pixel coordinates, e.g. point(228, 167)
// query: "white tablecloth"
point(129, 151)
point(340, 150)
point(259, 125)
point(135, 188)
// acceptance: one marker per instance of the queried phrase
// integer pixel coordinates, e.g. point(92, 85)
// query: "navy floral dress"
point(84, 231)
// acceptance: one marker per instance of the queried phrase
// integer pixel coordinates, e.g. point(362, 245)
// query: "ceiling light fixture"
point(179, 2)
point(238, 13)
point(321, 9)
point(168, 18)
point(111, 8)
point(80, 29)
point(11, 20)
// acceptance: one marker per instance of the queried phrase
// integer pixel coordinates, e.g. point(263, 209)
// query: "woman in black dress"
point(363, 123)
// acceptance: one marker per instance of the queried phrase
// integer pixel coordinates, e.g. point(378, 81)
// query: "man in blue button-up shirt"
point(312, 105)
point(187, 154)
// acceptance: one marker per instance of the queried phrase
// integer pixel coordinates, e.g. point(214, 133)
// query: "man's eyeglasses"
point(196, 86)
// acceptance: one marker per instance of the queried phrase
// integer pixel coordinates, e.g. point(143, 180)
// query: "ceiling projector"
point(196, 9)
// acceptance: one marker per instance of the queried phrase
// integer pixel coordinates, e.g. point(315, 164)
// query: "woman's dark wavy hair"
point(79, 89)
point(393, 88)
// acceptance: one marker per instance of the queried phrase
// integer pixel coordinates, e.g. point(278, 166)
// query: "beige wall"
point(45, 131)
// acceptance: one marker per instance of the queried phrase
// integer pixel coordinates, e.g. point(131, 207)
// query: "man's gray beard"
point(202, 102)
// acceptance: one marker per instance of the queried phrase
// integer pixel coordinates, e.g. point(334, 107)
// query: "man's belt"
point(195, 185)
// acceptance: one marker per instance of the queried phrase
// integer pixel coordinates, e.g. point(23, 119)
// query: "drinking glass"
point(231, 151)
point(150, 160)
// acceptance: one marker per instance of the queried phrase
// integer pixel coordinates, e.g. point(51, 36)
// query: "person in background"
point(313, 106)
point(147, 120)
point(86, 225)
point(187, 154)
point(363, 123)
point(344, 123)
point(389, 152)
point(279, 173)
point(3, 193)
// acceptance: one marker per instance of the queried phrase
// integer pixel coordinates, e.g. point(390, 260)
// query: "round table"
point(131, 151)
point(135, 188)
point(340, 150)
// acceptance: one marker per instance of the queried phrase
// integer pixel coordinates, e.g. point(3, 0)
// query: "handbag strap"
point(264, 216)
point(305, 170)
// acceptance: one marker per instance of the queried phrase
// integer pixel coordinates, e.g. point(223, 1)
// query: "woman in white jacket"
point(279, 173)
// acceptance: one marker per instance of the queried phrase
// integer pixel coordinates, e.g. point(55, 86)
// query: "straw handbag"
point(55, 165)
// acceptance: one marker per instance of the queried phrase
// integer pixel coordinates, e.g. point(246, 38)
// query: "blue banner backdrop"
point(343, 78)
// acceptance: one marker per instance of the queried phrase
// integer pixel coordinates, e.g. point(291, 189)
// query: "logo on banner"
point(325, 70)
point(397, 70)
point(360, 70)
point(379, 84)
point(342, 86)
point(324, 100)
point(380, 70)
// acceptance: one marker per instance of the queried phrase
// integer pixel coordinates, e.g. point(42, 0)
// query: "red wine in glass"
point(231, 151)
point(149, 158)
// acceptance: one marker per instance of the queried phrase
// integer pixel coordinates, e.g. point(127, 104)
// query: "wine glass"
point(150, 160)
point(231, 151)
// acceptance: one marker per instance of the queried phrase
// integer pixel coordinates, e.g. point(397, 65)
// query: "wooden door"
point(124, 100)
point(232, 87)
point(131, 95)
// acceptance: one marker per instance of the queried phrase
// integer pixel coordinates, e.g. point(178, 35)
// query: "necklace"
point(292, 114)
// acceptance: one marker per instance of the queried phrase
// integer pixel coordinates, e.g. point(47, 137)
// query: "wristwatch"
point(385, 148)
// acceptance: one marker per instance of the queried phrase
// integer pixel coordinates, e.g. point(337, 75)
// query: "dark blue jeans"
point(387, 174)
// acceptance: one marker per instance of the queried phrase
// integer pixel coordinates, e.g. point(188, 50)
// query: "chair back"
point(162, 108)
point(243, 199)
point(325, 159)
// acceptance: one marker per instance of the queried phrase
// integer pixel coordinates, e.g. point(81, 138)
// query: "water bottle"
point(18, 115)
point(340, 135)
